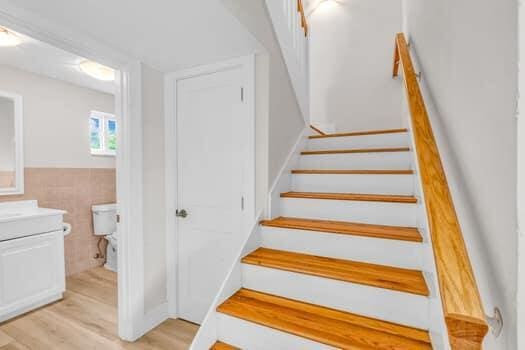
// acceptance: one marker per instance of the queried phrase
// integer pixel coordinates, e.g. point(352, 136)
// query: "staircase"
point(341, 267)
point(364, 250)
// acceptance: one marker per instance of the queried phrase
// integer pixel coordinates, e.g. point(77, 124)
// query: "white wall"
point(7, 134)
point(468, 53)
point(155, 278)
point(56, 120)
point(285, 119)
point(351, 48)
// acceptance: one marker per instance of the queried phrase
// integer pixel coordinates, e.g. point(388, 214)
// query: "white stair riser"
point(365, 141)
point(250, 336)
point(384, 304)
point(371, 184)
point(366, 161)
point(379, 213)
point(365, 249)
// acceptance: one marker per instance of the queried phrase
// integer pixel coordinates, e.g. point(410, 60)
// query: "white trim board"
point(155, 317)
point(170, 123)
point(129, 159)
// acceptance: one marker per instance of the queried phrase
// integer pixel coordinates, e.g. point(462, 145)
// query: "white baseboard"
point(20, 309)
point(155, 317)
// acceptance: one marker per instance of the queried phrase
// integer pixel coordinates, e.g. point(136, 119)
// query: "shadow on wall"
point(285, 121)
point(351, 49)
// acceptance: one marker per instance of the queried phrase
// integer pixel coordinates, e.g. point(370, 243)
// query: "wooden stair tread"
point(357, 150)
point(394, 278)
point(410, 234)
point(335, 328)
point(360, 133)
point(351, 197)
point(223, 346)
point(317, 130)
point(352, 172)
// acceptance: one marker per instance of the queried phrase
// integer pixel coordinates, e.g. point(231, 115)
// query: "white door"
point(210, 122)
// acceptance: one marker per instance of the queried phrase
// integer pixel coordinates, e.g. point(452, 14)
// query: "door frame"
point(247, 64)
point(132, 323)
point(520, 186)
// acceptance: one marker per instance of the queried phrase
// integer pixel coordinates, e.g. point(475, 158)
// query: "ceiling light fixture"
point(97, 71)
point(324, 5)
point(8, 38)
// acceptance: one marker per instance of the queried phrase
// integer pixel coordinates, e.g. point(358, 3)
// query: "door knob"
point(181, 213)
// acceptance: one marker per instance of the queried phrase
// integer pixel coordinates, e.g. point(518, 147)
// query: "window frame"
point(104, 118)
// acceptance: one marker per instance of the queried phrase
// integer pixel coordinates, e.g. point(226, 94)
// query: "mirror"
point(11, 162)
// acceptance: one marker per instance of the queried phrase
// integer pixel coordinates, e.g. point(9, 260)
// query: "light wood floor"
point(87, 319)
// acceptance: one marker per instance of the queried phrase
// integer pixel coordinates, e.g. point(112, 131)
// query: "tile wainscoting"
point(7, 179)
point(74, 190)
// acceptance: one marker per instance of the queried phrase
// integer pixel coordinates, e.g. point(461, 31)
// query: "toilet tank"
point(104, 219)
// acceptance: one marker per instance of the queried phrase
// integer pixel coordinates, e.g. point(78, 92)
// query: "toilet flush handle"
point(181, 213)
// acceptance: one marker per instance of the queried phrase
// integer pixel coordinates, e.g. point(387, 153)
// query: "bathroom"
point(58, 143)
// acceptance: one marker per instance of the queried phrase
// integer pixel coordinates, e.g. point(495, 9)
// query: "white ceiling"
point(40, 58)
point(166, 34)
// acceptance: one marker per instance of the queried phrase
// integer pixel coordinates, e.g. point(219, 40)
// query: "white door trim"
point(247, 63)
point(129, 158)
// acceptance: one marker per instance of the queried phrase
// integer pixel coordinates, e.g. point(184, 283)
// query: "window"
point(102, 134)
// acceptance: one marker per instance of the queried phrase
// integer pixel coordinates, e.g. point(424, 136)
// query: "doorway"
point(127, 106)
point(213, 178)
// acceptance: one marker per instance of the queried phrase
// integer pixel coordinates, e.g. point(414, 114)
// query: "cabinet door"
point(31, 270)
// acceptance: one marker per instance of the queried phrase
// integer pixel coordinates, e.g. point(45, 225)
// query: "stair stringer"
point(208, 331)
point(437, 329)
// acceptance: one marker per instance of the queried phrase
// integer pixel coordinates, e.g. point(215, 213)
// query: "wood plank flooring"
point(87, 319)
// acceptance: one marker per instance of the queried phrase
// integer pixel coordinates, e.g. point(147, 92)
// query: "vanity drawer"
point(32, 273)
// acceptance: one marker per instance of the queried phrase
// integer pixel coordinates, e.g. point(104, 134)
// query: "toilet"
point(105, 224)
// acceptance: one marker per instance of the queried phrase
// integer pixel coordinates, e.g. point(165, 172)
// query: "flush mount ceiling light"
point(8, 39)
point(324, 5)
point(97, 71)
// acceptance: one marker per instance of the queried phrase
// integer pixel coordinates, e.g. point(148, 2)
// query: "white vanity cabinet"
point(32, 273)
point(32, 269)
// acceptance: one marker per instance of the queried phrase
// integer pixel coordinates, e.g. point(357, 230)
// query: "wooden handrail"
point(462, 306)
point(300, 9)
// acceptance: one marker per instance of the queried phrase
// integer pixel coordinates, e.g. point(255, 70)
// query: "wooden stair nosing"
point(317, 130)
point(352, 172)
point(409, 234)
point(356, 150)
point(360, 133)
point(351, 197)
point(223, 346)
point(379, 276)
point(324, 325)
